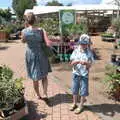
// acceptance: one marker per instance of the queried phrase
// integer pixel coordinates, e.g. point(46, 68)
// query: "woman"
point(37, 62)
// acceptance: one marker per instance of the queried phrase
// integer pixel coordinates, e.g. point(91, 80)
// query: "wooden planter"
point(4, 36)
point(17, 114)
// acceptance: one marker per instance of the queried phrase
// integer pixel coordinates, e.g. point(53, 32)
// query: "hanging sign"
point(67, 19)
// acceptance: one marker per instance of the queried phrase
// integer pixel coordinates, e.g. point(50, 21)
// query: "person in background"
point(81, 60)
point(37, 63)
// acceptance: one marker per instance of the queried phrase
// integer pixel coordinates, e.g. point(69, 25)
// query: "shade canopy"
point(51, 9)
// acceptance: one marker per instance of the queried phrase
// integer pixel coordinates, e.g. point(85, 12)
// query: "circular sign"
point(67, 17)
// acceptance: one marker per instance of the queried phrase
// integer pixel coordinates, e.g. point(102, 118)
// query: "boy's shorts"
point(80, 85)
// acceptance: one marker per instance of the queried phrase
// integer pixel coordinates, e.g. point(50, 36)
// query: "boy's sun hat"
point(84, 39)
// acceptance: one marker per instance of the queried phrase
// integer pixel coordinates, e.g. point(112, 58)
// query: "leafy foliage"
point(112, 78)
point(5, 73)
point(107, 35)
point(5, 15)
point(116, 25)
point(50, 24)
point(19, 6)
point(54, 3)
point(78, 29)
point(10, 89)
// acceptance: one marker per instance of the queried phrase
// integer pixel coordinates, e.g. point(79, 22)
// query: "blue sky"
point(8, 3)
point(5, 3)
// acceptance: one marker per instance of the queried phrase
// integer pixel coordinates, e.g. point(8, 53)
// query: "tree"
point(54, 3)
point(6, 14)
point(69, 4)
point(116, 2)
point(19, 6)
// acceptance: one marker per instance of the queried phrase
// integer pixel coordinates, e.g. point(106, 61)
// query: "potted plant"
point(108, 36)
point(112, 79)
point(11, 92)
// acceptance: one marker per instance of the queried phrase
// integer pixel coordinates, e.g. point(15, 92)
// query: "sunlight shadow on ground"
point(60, 98)
point(4, 48)
point(33, 114)
point(106, 109)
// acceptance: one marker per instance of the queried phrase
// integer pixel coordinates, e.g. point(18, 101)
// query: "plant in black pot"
point(11, 92)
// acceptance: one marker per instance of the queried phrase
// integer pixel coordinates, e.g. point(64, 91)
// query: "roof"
point(50, 9)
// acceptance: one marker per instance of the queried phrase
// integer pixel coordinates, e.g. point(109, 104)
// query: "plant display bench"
point(109, 39)
point(17, 115)
point(63, 50)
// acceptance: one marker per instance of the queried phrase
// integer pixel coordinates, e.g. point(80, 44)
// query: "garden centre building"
point(98, 16)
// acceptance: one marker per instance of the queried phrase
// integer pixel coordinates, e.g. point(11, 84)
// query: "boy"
point(81, 60)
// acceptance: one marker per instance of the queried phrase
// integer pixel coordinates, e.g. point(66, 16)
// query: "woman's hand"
point(23, 38)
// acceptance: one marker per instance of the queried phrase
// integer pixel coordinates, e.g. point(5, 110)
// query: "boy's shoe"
point(73, 107)
point(79, 110)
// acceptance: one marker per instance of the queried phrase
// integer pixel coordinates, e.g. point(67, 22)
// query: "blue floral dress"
point(37, 62)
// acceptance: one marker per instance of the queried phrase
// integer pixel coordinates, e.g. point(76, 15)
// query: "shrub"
point(112, 78)
point(116, 25)
point(11, 90)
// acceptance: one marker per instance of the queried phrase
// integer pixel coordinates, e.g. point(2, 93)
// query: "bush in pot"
point(11, 92)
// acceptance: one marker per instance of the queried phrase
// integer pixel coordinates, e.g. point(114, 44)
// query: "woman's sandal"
point(73, 107)
point(79, 110)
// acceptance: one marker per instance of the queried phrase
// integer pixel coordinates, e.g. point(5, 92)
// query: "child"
point(81, 59)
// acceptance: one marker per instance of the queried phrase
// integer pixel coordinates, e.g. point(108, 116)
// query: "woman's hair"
point(30, 18)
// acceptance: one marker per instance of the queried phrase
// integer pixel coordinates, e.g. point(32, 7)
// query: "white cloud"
point(65, 2)
point(107, 1)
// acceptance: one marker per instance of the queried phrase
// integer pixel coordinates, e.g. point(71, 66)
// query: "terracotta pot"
point(4, 36)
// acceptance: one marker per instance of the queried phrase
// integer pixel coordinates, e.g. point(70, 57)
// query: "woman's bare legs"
point(36, 88)
point(45, 85)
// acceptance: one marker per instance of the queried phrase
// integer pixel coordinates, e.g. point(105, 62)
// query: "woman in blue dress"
point(37, 62)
